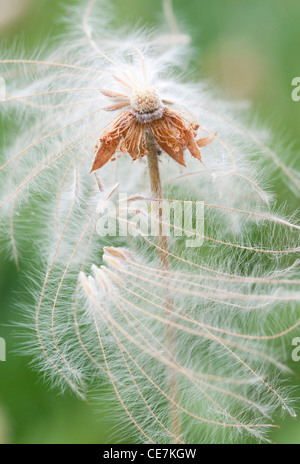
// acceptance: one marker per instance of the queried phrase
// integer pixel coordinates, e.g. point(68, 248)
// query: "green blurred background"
point(250, 50)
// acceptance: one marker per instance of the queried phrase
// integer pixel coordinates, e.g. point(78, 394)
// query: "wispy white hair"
point(100, 308)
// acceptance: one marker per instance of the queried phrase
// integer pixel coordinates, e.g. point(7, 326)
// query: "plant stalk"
point(162, 243)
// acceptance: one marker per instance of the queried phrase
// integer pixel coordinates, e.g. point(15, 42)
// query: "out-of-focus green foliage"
point(250, 50)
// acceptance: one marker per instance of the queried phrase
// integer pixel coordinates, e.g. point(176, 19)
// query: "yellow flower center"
point(145, 100)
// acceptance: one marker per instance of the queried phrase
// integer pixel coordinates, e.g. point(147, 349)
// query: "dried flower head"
point(147, 112)
point(193, 340)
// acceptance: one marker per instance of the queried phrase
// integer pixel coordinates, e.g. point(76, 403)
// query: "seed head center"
point(145, 100)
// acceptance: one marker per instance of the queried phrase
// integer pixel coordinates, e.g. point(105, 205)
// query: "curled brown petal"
point(192, 147)
point(184, 130)
point(105, 153)
point(134, 140)
point(187, 133)
point(166, 138)
point(206, 140)
point(111, 138)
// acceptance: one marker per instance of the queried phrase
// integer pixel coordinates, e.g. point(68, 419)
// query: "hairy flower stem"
point(162, 243)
